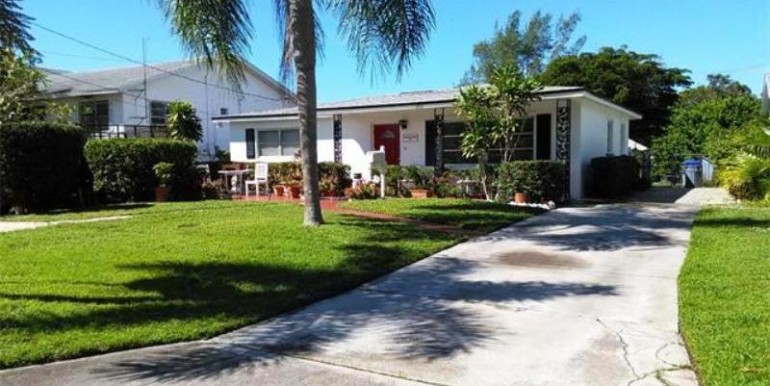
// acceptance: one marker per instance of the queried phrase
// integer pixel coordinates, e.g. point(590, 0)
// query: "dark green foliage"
point(123, 168)
point(637, 81)
point(703, 126)
point(14, 28)
point(541, 180)
point(613, 176)
point(333, 177)
point(41, 165)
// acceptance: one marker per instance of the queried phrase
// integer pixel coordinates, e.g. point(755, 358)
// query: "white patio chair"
point(260, 178)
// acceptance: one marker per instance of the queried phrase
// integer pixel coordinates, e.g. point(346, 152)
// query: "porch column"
point(563, 131)
point(438, 123)
point(337, 138)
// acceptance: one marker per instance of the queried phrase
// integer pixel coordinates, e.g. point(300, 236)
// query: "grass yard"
point(183, 271)
point(725, 296)
point(466, 214)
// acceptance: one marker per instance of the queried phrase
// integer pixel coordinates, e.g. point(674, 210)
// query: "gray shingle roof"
point(388, 100)
point(62, 83)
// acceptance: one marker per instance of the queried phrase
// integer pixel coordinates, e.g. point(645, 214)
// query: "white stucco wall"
point(208, 100)
point(588, 137)
point(592, 134)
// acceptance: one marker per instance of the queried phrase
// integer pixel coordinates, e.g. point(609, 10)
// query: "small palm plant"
point(183, 122)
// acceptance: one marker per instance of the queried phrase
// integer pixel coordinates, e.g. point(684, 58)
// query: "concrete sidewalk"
point(578, 296)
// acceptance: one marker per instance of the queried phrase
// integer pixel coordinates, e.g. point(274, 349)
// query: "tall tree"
point(14, 29)
point(529, 47)
point(384, 33)
point(637, 81)
point(719, 86)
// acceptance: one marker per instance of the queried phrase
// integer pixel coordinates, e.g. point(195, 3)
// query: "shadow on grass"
point(472, 215)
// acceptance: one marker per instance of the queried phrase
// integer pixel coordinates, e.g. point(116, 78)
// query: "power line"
point(117, 55)
point(105, 88)
point(81, 56)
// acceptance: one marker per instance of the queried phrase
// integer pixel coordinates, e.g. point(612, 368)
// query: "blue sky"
point(704, 36)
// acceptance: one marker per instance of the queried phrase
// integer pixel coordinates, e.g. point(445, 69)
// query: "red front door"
point(390, 137)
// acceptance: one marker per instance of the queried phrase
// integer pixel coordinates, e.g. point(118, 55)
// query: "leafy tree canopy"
point(637, 81)
point(529, 47)
point(719, 86)
point(14, 26)
point(709, 127)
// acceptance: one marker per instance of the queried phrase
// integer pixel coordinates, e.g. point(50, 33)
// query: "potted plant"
point(326, 185)
point(421, 182)
point(295, 188)
point(279, 190)
point(163, 172)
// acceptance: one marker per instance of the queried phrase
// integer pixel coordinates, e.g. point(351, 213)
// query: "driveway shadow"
point(435, 318)
point(600, 228)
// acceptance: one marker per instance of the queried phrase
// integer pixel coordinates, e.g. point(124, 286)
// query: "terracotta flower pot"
point(521, 198)
point(421, 193)
point(294, 192)
point(161, 194)
point(278, 190)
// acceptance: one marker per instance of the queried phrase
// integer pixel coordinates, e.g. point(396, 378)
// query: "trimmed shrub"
point(613, 176)
point(41, 166)
point(333, 177)
point(123, 168)
point(541, 180)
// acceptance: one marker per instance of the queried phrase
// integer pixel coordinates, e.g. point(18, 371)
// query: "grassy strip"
point(725, 296)
point(467, 214)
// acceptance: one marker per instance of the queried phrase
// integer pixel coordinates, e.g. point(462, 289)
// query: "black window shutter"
point(543, 137)
point(251, 146)
point(430, 143)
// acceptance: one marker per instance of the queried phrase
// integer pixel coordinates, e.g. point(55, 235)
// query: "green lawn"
point(182, 271)
point(467, 214)
point(725, 296)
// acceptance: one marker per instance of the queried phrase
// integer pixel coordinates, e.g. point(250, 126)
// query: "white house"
point(421, 128)
point(132, 100)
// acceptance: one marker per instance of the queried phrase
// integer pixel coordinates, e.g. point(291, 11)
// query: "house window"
point(523, 144)
point(158, 111)
point(610, 129)
point(623, 139)
point(224, 111)
point(94, 115)
point(250, 144)
point(278, 142)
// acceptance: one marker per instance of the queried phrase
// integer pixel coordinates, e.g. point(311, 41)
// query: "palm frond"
point(215, 32)
point(385, 33)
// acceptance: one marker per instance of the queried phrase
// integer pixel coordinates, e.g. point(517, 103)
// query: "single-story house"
point(422, 128)
point(131, 101)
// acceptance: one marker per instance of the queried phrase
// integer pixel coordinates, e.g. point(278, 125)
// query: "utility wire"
point(117, 55)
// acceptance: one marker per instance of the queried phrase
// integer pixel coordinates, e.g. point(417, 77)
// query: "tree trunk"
point(302, 27)
point(483, 172)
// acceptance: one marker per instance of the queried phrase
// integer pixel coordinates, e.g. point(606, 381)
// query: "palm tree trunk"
point(302, 27)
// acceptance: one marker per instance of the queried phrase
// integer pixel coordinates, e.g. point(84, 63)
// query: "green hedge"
point(41, 166)
point(541, 180)
point(123, 168)
point(613, 176)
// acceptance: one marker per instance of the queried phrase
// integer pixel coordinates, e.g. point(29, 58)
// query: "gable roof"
point(423, 98)
point(128, 79)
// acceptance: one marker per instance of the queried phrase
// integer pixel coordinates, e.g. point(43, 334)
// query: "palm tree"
point(381, 33)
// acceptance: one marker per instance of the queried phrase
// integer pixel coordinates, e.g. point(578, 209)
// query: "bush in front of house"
point(333, 177)
point(613, 176)
point(123, 168)
point(41, 166)
point(542, 180)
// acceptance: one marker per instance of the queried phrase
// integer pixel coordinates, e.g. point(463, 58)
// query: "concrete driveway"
point(578, 296)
